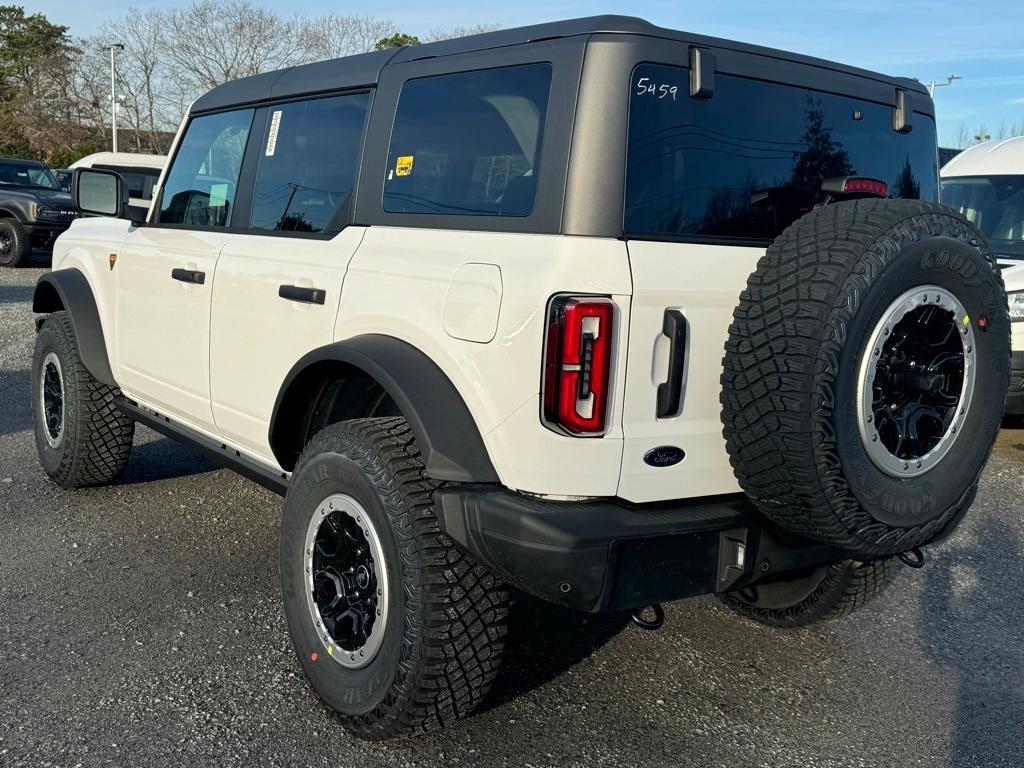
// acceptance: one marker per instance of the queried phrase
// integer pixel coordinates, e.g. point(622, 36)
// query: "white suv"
point(607, 313)
point(985, 183)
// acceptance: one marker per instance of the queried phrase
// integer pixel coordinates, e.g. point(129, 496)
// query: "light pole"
point(949, 81)
point(114, 48)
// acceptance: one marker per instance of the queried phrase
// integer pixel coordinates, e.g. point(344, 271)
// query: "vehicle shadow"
point(163, 459)
point(545, 641)
point(971, 625)
point(16, 294)
point(16, 415)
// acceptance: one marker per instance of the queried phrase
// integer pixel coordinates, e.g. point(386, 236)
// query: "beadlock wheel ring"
point(916, 381)
point(51, 399)
point(345, 581)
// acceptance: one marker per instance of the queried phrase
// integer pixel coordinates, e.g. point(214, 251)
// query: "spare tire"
point(865, 373)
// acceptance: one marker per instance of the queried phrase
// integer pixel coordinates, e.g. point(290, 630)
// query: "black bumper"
point(611, 555)
point(1015, 395)
point(44, 233)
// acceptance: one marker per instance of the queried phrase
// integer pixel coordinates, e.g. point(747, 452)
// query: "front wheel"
point(396, 629)
point(81, 434)
point(15, 243)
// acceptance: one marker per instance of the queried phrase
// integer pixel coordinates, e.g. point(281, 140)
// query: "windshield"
point(15, 174)
point(995, 205)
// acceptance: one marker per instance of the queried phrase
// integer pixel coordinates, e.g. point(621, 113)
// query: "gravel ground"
point(141, 625)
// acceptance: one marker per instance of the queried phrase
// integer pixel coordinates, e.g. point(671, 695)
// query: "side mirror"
point(100, 193)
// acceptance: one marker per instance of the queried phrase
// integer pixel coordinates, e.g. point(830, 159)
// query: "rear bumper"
point(609, 555)
point(1015, 395)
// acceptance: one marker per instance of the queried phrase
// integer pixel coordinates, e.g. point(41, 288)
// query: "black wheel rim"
point(52, 399)
point(346, 580)
point(917, 381)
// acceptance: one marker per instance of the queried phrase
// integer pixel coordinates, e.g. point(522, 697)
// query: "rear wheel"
point(824, 593)
point(397, 630)
point(15, 243)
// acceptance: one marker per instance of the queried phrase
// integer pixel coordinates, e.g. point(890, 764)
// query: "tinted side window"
point(468, 143)
point(748, 162)
point(308, 163)
point(201, 183)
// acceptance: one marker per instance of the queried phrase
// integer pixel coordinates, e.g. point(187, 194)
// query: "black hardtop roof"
point(363, 70)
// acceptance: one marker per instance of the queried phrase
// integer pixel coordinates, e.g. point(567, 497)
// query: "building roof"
point(991, 158)
point(364, 69)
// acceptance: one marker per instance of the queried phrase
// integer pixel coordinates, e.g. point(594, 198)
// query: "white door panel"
point(704, 284)
point(257, 336)
point(162, 325)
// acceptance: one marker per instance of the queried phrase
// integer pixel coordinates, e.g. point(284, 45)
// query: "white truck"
point(603, 312)
point(986, 184)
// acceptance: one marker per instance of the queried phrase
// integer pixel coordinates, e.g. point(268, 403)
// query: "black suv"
point(33, 209)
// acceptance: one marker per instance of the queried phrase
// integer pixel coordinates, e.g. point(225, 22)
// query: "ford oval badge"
point(664, 456)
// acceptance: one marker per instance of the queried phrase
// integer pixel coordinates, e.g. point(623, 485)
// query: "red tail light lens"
point(577, 364)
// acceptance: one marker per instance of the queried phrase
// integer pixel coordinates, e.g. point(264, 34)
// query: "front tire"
point(15, 243)
point(396, 629)
point(825, 593)
point(83, 438)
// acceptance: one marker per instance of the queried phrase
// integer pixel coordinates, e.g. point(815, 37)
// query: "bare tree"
point(331, 36)
point(210, 43)
point(450, 34)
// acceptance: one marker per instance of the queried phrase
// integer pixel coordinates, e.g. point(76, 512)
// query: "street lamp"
point(114, 48)
point(949, 81)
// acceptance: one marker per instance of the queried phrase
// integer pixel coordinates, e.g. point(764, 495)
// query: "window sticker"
point(275, 125)
point(403, 166)
point(218, 195)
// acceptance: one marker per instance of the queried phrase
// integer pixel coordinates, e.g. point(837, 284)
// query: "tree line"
point(55, 88)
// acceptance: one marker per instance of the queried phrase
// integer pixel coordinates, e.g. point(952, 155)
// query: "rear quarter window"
point(748, 162)
point(468, 143)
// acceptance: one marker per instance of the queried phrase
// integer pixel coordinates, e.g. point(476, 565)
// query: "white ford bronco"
point(599, 311)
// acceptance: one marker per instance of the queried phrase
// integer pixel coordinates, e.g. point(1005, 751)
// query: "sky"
point(981, 41)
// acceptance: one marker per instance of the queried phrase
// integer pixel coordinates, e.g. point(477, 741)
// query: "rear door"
point(278, 284)
point(710, 183)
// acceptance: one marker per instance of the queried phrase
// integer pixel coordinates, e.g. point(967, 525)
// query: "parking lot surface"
point(141, 625)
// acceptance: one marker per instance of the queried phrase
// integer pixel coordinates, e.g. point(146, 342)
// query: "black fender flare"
point(69, 290)
point(446, 433)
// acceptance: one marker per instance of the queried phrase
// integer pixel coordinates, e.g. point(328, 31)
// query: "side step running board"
point(219, 452)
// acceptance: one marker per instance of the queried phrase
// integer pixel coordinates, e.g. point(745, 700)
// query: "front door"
point(166, 269)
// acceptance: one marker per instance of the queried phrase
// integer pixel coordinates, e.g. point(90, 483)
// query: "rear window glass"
point(748, 162)
point(468, 143)
point(308, 164)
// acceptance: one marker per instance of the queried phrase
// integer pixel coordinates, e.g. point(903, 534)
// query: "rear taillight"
point(577, 363)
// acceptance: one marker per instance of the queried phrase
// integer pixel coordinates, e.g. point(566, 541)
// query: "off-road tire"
point(790, 377)
point(827, 593)
point(97, 436)
point(20, 243)
point(447, 616)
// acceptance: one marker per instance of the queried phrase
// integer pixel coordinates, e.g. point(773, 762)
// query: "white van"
point(986, 184)
point(140, 172)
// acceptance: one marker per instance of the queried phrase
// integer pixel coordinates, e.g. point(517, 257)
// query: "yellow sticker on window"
point(403, 166)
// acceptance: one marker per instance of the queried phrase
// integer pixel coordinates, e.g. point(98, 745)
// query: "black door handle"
point(302, 295)
point(670, 393)
point(188, 275)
